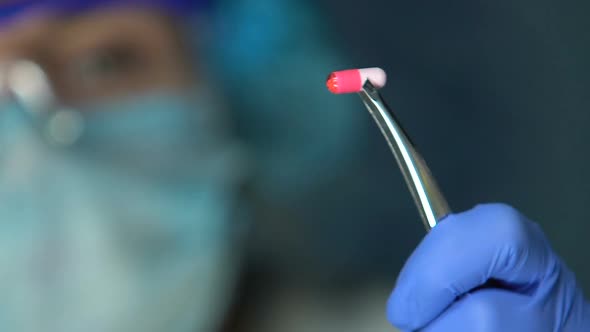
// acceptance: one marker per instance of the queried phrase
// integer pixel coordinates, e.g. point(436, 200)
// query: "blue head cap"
point(177, 7)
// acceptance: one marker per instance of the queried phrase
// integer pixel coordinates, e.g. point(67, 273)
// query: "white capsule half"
point(375, 75)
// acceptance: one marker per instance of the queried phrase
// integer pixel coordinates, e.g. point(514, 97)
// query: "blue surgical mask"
point(133, 227)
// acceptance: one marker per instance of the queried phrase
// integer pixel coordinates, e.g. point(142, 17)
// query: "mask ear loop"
point(27, 83)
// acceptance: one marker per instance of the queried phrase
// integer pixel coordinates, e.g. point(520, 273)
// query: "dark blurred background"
point(496, 97)
point(495, 94)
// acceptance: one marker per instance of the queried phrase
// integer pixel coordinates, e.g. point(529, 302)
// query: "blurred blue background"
point(494, 94)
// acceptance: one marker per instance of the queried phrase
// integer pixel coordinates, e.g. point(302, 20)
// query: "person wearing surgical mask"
point(125, 196)
point(119, 180)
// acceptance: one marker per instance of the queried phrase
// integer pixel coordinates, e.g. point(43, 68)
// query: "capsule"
point(352, 80)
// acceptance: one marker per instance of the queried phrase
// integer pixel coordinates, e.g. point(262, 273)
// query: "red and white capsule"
point(352, 80)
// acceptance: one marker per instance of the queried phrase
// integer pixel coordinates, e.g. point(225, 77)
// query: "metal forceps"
point(429, 200)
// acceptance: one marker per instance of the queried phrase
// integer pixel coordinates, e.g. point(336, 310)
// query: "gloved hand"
point(487, 269)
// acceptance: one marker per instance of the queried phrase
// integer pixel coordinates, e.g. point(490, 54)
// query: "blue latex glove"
point(487, 269)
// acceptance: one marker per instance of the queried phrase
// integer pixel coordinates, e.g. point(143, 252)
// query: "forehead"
point(101, 53)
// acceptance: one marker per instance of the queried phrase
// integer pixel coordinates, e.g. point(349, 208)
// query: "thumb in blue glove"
point(487, 269)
